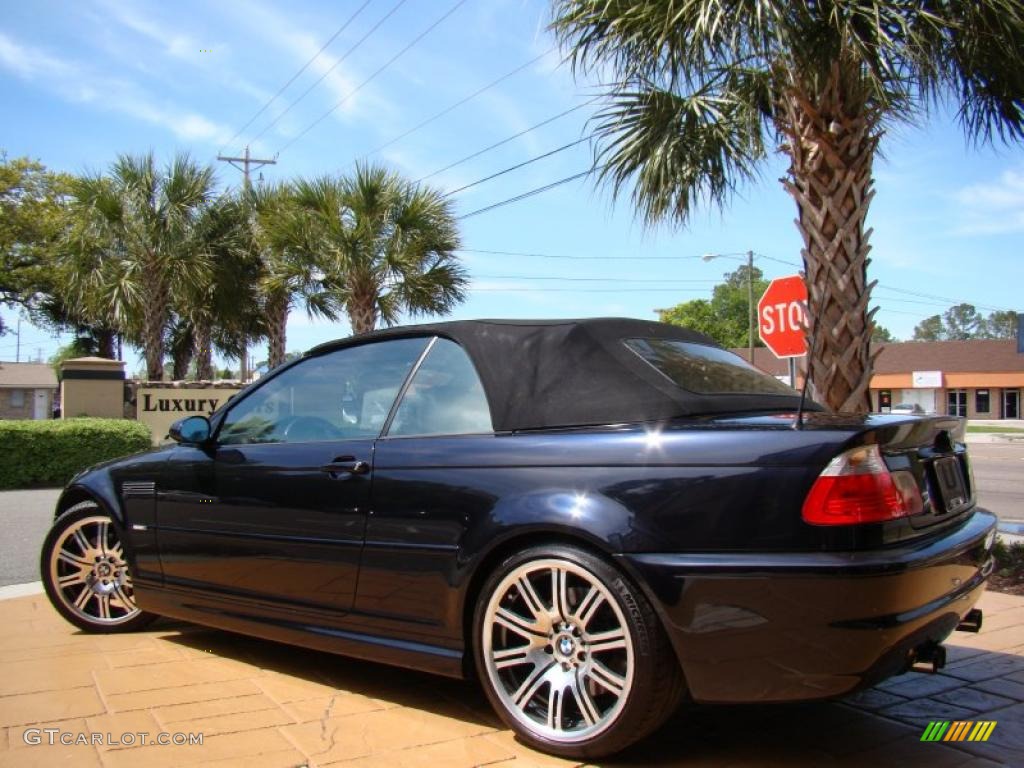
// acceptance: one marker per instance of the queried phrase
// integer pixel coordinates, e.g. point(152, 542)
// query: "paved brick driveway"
point(260, 704)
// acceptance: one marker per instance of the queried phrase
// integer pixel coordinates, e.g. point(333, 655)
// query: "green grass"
point(994, 428)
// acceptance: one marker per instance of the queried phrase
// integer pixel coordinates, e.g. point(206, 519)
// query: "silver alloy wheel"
point(89, 573)
point(558, 650)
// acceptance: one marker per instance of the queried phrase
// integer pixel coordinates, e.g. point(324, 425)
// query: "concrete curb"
point(21, 590)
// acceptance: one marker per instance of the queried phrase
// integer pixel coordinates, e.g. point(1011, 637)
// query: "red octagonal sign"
point(782, 316)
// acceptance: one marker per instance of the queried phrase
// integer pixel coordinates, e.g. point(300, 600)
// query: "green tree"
point(703, 92)
point(32, 219)
point(134, 246)
point(289, 265)
point(930, 329)
point(1001, 324)
point(962, 322)
point(881, 335)
point(385, 245)
point(725, 316)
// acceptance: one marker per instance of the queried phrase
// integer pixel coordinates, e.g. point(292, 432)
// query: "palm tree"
point(224, 299)
point(135, 243)
point(385, 245)
point(288, 273)
point(703, 90)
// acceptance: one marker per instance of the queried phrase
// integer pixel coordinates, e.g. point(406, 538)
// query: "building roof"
point(540, 374)
point(27, 376)
point(972, 356)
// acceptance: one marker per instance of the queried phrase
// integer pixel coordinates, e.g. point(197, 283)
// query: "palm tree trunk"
point(182, 361)
point(362, 313)
point(204, 356)
point(830, 178)
point(155, 312)
point(277, 329)
point(104, 342)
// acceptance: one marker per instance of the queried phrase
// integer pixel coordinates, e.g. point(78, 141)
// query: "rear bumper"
point(784, 627)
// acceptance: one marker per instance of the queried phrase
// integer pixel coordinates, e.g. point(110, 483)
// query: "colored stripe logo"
point(958, 730)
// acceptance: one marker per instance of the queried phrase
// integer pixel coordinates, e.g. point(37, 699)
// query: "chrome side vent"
point(138, 489)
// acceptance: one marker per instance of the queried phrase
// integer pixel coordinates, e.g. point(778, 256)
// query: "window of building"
point(17, 398)
point(956, 402)
point(884, 400)
point(981, 401)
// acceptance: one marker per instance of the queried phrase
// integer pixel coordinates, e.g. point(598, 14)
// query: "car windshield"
point(704, 369)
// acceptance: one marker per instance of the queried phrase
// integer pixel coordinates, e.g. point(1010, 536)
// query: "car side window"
point(343, 394)
point(445, 397)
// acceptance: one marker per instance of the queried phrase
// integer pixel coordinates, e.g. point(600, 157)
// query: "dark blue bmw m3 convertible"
point(596, 518)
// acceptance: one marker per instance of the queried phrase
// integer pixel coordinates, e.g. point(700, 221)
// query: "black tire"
point(600, 697)
point(86, 575)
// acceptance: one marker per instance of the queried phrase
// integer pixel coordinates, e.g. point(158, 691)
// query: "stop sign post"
point(782, 317)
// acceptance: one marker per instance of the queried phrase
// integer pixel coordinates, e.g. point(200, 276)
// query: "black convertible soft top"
point(541, 374)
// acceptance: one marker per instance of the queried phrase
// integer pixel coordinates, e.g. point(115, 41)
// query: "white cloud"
point(995, 207)
point(279, 30)
point(30, 63)
point(75, 83)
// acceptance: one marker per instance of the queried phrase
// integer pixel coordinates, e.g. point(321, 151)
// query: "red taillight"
point(857, 487)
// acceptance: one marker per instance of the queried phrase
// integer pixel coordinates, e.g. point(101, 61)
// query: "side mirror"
point(192, 430)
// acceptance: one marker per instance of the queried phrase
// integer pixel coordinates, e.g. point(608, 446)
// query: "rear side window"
point(705, 370)
point(445, 396)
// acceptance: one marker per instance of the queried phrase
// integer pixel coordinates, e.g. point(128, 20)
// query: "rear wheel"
point(571, 654)
point(86, 575)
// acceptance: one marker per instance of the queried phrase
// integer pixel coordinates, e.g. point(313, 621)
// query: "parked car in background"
point(906, 408)
point(595, 518)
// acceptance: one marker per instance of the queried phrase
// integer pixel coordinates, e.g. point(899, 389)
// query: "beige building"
point(27, 390)
point(979, 378)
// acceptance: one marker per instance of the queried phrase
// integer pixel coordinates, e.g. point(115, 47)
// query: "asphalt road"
point(999, 473)
point(998, 470)
point(27, 516)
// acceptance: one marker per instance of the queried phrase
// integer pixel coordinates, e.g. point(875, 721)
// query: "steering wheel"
point(309, 428)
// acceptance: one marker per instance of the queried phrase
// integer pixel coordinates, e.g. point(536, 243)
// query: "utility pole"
point(17, 354)
point(246, 160)
point(750, 303)
point(750, 294)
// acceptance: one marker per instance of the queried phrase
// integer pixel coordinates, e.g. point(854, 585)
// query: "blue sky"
point(84, 81)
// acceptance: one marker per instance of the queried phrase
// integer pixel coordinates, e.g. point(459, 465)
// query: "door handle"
point(347, 465)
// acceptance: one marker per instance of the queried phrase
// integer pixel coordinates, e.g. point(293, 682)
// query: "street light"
point(750, 294)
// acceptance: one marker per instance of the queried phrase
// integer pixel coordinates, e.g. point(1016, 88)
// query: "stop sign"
point(782, 316)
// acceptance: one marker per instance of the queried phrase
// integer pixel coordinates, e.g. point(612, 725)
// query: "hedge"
point(49, 453)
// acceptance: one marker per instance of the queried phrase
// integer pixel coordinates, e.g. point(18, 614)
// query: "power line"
point(517, 166)
point(529, 193)
point(456, 105)
point(588, 290)
point(594, 279)
point(386, 64)
point(294, 77)
point(946, 300)
point(334, 66)
point(575, 257)
point(513, 137)
point(940, 300)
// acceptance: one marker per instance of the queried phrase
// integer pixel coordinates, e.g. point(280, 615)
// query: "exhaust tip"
point(971, 622)
point(929, 658)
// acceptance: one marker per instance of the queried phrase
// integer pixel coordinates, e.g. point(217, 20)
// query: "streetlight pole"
point(750, 295)
point(750, 304)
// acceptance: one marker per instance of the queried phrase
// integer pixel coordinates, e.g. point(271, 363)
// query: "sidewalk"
point(261, 704)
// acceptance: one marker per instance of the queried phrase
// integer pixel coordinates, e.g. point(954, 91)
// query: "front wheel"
point(86, 575)
point(571, 654)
